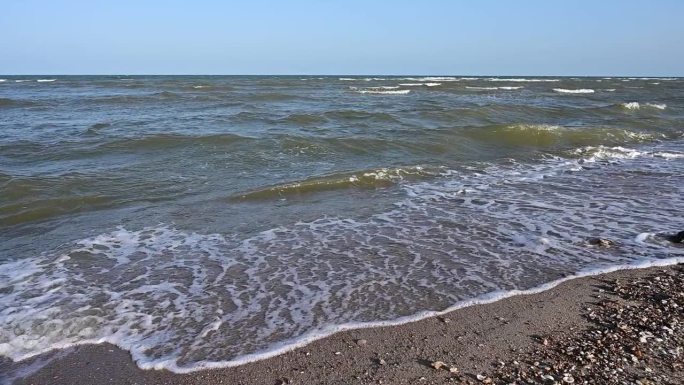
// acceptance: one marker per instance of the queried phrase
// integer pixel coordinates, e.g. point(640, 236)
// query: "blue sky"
point(460, 37)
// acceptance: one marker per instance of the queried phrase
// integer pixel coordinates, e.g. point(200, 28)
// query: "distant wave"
point(493, 88)
point(45, 80)
point(387, 92)
point(7, 102)
point(22, 80)
point(3, 80)
point(164, 141)
point(420, 84)
point(482, 88)
point(347, 79)
point(522, 80)
point(379, 91)
point(432, 79)
point(377, 88)
point(637, 105)
point(576, 91)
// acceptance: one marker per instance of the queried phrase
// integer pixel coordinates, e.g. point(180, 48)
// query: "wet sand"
point(474, 341)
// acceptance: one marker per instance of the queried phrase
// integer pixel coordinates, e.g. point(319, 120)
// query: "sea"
point(208, 221)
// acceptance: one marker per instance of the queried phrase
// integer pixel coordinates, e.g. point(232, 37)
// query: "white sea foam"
point(574, 91)
point(432, 79)
point(637, 105)
point(3, 80)
point(22, 80)
point(507, 88)
point(608, 89)
point(347, 79)
point(602, 153)
point(669, 154)
point(46, 80)
point(523, 80)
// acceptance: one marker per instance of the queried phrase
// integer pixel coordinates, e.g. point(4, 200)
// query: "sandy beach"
point(477, 344)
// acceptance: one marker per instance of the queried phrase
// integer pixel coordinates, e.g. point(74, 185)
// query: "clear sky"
point(459, 37)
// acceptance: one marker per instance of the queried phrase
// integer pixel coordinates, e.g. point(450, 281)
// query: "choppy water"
point(205, 221)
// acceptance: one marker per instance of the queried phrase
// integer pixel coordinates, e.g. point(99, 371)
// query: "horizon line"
point(351, 75)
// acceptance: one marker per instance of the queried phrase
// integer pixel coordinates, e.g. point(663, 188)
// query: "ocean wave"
point(482, 88)
point(433, 79)
point(420, 84)
point(544, 135)
point(381, 91)
point(304, 119)
point(574, 91)
point(378, 88)
point(46, 80)
point(163, 141)
point(494, 88)
point(360, 115)
point(637, 105)
point(3, 80)
point(602, 153)
point(375, 178)
point(274, 96)
point(347, 79)
point(8, 102)
point(523, 80)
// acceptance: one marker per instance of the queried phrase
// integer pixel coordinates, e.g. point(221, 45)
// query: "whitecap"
point(522, 80)
point(45, 80)
point(659, 106)
point(482, 88)
point(637, 105)
point(574, 91)
point(493, 88)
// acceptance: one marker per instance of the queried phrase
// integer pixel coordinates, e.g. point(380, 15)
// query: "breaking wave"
point(575, 91)
point(637, 105)
point(375, 178)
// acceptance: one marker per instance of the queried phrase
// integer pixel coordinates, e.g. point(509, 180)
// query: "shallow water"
point(205, 221)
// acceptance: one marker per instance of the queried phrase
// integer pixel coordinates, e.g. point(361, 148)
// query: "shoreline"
point(466, 331)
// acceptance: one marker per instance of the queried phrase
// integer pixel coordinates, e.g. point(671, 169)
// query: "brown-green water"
point(205, 221)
